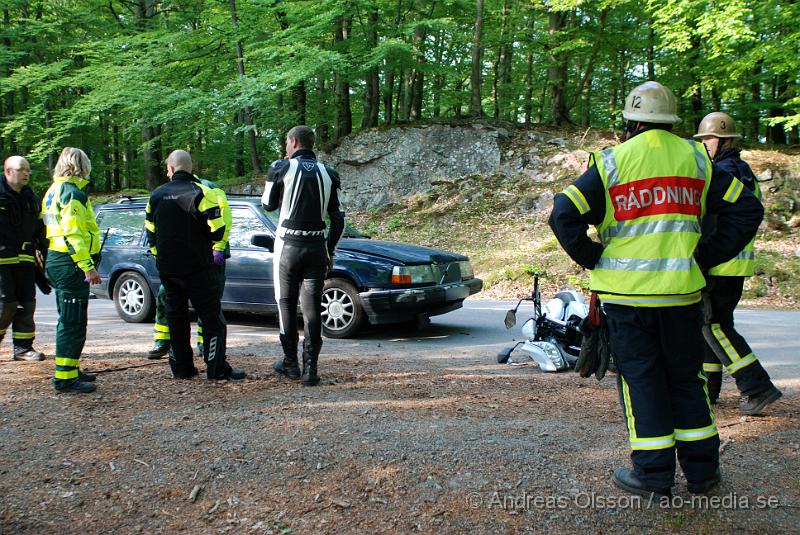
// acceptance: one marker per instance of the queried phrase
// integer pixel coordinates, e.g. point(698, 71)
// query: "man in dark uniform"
point(222, 251)
point(182, 225)
point(305, 191)
point(22, 233)
point(646, 197)
point(724, 345)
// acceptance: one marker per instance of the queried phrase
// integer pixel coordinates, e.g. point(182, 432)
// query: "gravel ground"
point(391, 442)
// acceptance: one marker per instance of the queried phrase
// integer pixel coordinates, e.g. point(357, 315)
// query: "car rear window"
point(126, 226)
point(245, 224)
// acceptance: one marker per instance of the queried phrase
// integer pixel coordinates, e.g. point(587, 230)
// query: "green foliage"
point(130, 80)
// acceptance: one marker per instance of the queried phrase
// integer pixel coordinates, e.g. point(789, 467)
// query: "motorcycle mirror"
point(504, 354)
point(511, 319)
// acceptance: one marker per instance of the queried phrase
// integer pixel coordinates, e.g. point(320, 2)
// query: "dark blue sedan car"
point(376, 281)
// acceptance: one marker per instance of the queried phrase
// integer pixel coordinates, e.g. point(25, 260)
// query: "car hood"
point(403, 252)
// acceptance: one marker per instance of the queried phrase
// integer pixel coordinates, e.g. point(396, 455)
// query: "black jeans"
point(201, 288)
point(300, 273)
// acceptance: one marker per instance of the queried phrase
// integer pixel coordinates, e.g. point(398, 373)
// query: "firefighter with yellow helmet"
point(646, 197)
point(724, 345)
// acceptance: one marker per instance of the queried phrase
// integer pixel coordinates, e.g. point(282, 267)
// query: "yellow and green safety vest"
point(70, 221)
point(656, 185)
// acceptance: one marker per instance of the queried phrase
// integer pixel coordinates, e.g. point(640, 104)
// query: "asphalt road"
point(476, 327)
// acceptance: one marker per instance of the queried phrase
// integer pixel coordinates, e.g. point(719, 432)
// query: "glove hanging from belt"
point(595, 355)
point(40, 278)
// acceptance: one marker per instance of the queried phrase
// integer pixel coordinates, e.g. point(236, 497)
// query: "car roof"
point(141, 202)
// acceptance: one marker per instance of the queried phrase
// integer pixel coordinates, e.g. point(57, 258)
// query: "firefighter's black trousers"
point(300, 271)
point(726, 347)
point(18, 303)
point(659, 356)
point(201, 288)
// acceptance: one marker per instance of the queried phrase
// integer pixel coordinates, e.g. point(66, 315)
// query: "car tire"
point(133, 298)
point(342, 312)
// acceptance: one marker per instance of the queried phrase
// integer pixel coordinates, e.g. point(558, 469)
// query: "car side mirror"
point(263, 240)
point(511, 318)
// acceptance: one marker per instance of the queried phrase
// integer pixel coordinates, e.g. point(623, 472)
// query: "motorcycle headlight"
point(466, 270)
point(413, 274)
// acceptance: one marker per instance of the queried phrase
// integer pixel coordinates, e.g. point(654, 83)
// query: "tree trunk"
point(343, 124)
point(586, 103)
point(755, 93)
point(651, 40)
point(529, 70)
point(9, 97)
point(248, 113)
point(502, 71)
point(152, 167)
point(716, 100)
point(399, 99)
point(51, 157)
point(438, 79)
point(388, 101)
point(557, 72)
point(323, 117)
point(115, 154)
point(418, 77)
point(457, 88)
point(776, 133)
point(238, 143)
point(127, 157)
point(406, 92)
point(106, 149)
point(475, 103)
point(372, 83)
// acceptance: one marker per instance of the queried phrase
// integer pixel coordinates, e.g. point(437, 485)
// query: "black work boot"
point(86, 376)
point(81, 387)
point(185, 374)
point(703, 487)
point(27, 353)
point(310, 357)
point(158, 351)
point(229, 373)
point(288, 366)
point(626, 479)
point(755, 404)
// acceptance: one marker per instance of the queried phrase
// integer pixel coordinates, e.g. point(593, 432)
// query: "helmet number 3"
point(636, 102)
point(722, 125)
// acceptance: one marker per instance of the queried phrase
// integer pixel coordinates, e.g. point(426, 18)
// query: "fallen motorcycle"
point(552, 335)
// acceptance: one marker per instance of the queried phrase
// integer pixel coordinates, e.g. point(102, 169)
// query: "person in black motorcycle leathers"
point(304, 191)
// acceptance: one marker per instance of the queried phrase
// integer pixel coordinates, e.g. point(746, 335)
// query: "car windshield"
point(349, 230)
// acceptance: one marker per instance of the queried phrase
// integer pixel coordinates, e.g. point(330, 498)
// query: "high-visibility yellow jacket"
point(216, 195)
point(655, 187)
point(70, 221)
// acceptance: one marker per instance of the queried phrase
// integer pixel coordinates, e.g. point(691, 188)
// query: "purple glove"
point(219, 257)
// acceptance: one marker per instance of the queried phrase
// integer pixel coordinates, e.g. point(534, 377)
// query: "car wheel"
point(133, 298)
point(342, 313)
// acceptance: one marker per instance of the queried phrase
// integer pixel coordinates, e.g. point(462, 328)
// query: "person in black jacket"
point(22, 233)
point(724, 345)
point(305, 191)
point(182, 224)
